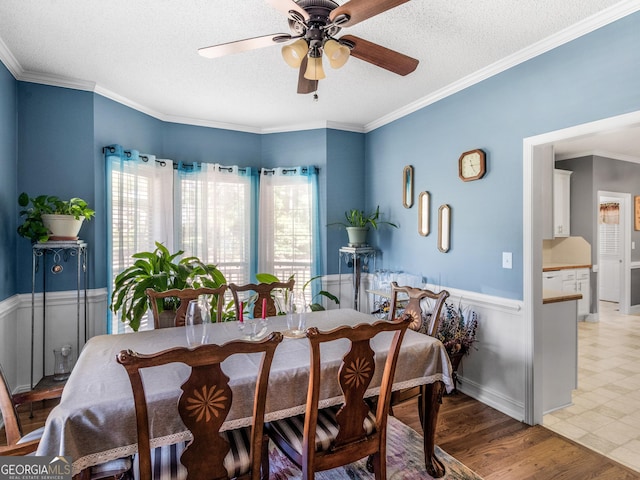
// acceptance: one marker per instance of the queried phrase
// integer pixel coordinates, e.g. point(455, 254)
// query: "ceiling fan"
point(314, 25)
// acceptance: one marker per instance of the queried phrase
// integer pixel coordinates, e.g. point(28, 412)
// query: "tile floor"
point(605, 415)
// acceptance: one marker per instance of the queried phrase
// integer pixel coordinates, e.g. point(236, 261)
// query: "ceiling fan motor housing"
point(314, 30)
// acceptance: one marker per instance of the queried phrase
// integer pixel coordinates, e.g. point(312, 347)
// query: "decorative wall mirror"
point(444, 228)
point(407, 186)
point(424, 206)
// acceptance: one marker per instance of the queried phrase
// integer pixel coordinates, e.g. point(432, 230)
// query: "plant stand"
point(60, 252)
point(357, 258)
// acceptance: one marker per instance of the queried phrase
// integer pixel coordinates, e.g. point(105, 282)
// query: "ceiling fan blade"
point(243, 45)
point(304, 84)
point(289, 6)
point(359, 10)
point(391, 60)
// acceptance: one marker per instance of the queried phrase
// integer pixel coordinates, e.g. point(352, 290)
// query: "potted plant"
point(48, 217)
point(162, 271)
point(457, 332)
point(357, 225)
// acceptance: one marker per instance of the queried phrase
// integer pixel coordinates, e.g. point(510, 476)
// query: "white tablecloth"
point(95, 420)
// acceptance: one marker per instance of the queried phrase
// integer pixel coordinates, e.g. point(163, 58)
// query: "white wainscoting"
point(494, 373)
point(15, 331)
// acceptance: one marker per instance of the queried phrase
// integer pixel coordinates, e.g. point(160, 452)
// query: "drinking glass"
point(196, 326)
point(296, 314)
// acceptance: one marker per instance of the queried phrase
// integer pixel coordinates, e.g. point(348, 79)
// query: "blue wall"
point(8, 194)
point(55, 157)
point(593, 77)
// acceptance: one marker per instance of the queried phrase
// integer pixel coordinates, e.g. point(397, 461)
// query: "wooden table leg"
point(429, 405)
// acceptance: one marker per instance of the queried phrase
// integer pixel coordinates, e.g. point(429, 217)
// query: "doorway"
point(536, 165)
point(613, 264)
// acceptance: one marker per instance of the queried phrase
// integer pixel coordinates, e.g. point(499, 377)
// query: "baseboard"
point(508, 406)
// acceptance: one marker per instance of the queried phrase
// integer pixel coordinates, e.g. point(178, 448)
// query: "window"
point(214, 221)
point(210, 211)
point(288, 235)
point(139, 211)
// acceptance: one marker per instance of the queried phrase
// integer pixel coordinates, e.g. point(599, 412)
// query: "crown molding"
point(578, 30)
point(584, 27)
point(9, 61)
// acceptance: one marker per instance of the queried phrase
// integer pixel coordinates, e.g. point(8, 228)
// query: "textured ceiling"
point(144, 53)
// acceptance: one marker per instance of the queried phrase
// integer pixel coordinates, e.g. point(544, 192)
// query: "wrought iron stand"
point(59, 252)
point(357, 258)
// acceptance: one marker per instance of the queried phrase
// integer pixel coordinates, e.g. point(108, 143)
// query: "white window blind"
point(286, 227)
point(214, 221)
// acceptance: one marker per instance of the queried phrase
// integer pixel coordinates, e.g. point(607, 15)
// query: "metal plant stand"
point(60, 252)
point(357, 258)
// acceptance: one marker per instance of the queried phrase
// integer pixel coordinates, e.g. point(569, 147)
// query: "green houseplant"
point(162, 271)
point(357, 224)
point(39, 212)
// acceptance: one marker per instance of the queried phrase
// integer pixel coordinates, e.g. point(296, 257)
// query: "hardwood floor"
point(495, 446)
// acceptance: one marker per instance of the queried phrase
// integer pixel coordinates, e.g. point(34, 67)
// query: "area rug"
point(405, 461)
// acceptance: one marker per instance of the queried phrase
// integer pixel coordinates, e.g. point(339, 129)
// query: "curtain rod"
point(163, 163)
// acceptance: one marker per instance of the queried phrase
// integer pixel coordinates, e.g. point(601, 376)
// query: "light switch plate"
point(507, 260)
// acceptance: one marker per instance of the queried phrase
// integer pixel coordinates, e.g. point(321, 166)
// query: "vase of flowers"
point(457, 332)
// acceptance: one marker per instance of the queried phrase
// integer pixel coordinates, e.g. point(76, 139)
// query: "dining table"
point(95, 419)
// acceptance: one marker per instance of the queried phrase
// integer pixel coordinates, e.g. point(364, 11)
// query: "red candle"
point(241, 312)
point(264, 308)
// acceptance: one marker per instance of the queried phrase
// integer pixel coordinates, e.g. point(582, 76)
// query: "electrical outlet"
point(507, 260)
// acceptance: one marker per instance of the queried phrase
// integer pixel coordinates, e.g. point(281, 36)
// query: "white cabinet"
point(561, 202)
point(577, 280)
point(583, 286)
point(552, 281)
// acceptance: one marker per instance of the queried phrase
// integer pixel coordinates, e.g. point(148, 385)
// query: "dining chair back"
point(423, 306)
point(326, 438)
point(183, 298)
point(17, 443)
point(204, 404)
point(262, 291)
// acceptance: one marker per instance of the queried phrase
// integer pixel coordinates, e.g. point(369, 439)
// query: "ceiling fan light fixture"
point(314, 68)
point(295, 52)
point(336, 53)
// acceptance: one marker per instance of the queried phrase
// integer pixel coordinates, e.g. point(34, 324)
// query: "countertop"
point(554, 296)
point(552, 267)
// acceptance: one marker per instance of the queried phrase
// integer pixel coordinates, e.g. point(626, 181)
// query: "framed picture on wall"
point(636, 212)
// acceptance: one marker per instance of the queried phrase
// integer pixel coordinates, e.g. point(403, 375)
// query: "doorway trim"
point(532, 173)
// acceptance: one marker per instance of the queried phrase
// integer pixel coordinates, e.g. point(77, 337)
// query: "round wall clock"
point(472, 165)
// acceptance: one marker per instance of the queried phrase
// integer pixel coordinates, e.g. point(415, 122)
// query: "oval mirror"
point(407, 186)
point(444, 228)
point(424, 205)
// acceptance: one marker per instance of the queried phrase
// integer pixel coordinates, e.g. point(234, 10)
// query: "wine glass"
point(196, 326)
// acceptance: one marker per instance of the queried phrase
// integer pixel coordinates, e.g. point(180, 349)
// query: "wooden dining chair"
point(204, 404)
point(19, 444)
point(183, 297)
point(263, 291)
point(322, 439)
point(424, 308)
